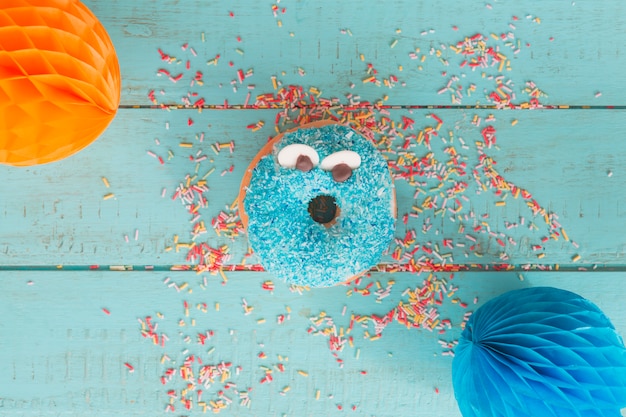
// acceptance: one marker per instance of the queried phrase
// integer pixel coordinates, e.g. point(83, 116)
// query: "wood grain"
point(573, 53)
point(64, 354)
point(57, 215)
point(64, 233)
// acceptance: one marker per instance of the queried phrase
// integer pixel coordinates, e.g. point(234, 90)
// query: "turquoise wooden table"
point(124, 295)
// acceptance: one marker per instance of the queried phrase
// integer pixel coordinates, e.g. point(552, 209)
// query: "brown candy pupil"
point(304, 163)
point(341, 172)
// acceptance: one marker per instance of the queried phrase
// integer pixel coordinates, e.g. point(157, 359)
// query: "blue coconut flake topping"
point(284, 236)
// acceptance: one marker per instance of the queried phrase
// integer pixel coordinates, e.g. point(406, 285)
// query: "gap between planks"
point(227, 106)
point(385, 268)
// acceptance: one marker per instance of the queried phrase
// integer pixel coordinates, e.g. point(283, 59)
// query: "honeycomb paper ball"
point(59, 80)
point(540, 352)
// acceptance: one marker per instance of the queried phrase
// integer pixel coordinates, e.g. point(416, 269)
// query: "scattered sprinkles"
point(449, 164)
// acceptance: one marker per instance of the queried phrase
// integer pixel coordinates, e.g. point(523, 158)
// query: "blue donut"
point(282, 232)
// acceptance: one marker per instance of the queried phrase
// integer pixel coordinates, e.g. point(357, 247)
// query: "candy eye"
point(341, 164)
point(298, 156)
point(350, 158)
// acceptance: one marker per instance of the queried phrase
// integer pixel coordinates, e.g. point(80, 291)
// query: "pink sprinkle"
point(107, 312)
point(130, 367)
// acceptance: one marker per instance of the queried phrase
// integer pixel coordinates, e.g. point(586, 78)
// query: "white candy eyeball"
point(350, 158)
point(289, 155)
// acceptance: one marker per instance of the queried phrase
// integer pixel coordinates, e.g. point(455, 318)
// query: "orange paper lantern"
point(59, 80)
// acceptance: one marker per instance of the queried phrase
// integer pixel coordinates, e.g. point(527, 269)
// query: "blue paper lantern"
point(540, 352)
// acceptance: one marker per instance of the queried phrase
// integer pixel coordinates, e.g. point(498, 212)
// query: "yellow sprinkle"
point(317, 394)
point(541, 255)
point(394, 43)
point(575, 258)
point(500, 203)
point(514, 122)
point(209, 172)
point(303, 373)
point(564, 234)
point(274, 84)
point(185, 145)
point(279, 23)
point(223, 275)
point(260, 321)
point(108, 196)
point(217, 306)
point(362, 57)
point(105, 181)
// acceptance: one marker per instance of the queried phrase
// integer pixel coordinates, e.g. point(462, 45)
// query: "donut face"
point(283, 230)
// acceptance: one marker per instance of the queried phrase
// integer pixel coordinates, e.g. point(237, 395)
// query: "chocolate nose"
point(323, 209)
point(341, 172)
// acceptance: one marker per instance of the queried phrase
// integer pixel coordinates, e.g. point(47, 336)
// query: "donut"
point(318, 205)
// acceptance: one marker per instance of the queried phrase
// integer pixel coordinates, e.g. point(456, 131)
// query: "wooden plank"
point(568, 161)
point(62, 354)
point(573, 53)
